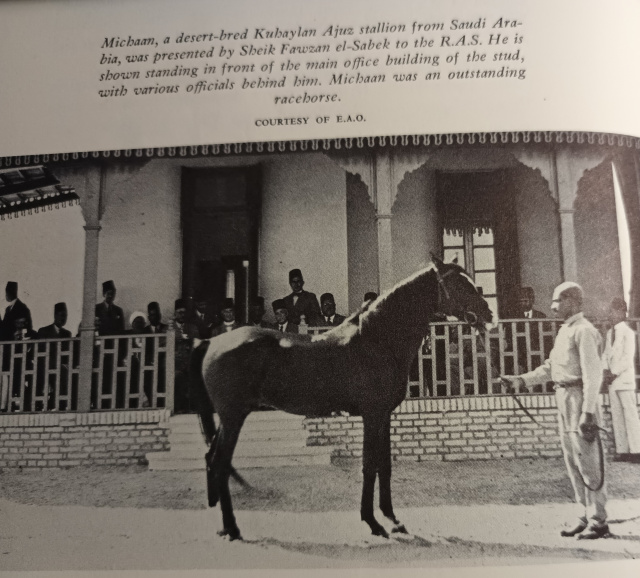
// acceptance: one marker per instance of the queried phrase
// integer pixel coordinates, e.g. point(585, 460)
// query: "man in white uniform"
point(620, 374)
point(575, 368)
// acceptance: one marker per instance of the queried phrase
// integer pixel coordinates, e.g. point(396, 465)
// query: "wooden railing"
point(133, 371)
point(40, 375)
point(455, 360)
point(129, 372)
point(140, 371)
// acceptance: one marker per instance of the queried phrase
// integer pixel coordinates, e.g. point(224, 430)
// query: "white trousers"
point(581, 458)
point(626, 424)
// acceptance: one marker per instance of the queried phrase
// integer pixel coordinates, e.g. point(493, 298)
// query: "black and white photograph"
point(334, 286)
point(346, 308)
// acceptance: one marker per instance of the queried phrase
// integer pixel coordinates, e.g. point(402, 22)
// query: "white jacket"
point(619, 357)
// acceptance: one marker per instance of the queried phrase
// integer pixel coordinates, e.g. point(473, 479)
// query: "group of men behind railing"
point(130, 365)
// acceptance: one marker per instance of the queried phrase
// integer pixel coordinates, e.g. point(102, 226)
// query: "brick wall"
point(74, 439)
point(475, 428)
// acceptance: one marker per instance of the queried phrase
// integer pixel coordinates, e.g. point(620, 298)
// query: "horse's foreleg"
point(370, 450)
point(222, 469)
point(212, 484)
point(384, 477)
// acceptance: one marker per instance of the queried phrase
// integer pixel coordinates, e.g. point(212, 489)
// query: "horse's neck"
point(402, 319)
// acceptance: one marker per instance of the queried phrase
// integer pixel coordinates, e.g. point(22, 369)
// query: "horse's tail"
point(204, 406)
point(200, 399)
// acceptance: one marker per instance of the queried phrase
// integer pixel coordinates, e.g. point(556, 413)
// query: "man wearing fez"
point(329, 316)
point(256, 314)
point(56, 331)
point(282, 317)
point(619, 374)
point(185, 334)
point(155, 319)
point(202, 317)
point(370, 296)
point(575, 368)
point(229, 323)
point(155, 326)
point(16, 309)
point(300, 302)
point(110, 315)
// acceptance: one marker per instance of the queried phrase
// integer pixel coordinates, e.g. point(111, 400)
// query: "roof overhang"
point(31, 189)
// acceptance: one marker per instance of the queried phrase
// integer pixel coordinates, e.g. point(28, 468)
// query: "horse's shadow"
point(629, 538)
point(414, 548)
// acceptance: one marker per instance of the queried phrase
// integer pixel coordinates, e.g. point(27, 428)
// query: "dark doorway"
point(220, 230)
point(478, 225)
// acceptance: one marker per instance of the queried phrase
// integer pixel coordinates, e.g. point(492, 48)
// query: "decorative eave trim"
point(422, 140)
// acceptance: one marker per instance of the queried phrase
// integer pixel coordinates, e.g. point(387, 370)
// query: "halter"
point(469, 316)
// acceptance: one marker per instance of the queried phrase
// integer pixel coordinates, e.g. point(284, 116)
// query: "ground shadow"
point(414, 548)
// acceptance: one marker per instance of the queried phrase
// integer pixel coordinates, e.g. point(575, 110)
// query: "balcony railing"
point(129, 372)
point(132, 372)
point(39, 375)
point(138, 371)
point(455, 360)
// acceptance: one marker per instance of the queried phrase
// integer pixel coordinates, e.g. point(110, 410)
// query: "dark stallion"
point(360, 367)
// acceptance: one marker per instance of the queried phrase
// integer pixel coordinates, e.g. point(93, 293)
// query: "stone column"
point(90, 189)
point(384, 196)
point(382, 172)
point(569, 167)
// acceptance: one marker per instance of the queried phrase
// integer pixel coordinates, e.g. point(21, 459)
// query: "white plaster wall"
point(140, 246)
point(538, 236)
point(303, 225)
point(44, 253)
point(414, 226)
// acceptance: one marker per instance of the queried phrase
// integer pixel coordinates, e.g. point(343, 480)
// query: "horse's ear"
point(436, 261)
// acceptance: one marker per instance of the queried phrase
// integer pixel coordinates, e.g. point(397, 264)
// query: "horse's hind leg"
point(384, 477)
point(221, 470)
point(370, 453)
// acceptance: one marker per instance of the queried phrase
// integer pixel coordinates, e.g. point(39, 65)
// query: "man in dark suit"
point(155, 326)
point(56, 331)
point(16, 309)
point(229, 323)
point(155, 319)
point(301, 302)
point(256, 314)
point(282, 317)
point(23, 361)
point(526, 299)
point(329, 316)
point(110, 315)
point(203, 316)
point(185, 333)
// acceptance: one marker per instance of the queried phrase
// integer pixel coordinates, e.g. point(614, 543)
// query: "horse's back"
point(234, 364)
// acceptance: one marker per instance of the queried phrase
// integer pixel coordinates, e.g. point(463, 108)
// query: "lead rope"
point(601, 457)
point(511, 392)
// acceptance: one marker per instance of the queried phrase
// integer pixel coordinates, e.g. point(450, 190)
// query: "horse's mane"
point(375, 316)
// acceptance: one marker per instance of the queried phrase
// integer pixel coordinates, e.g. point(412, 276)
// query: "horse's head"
point(458, 295)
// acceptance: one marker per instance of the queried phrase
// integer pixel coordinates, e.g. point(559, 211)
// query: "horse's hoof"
point(379, 531)
point(399, 529)
point(233, 534)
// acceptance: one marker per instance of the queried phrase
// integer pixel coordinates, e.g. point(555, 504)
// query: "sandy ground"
point(491, 513)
